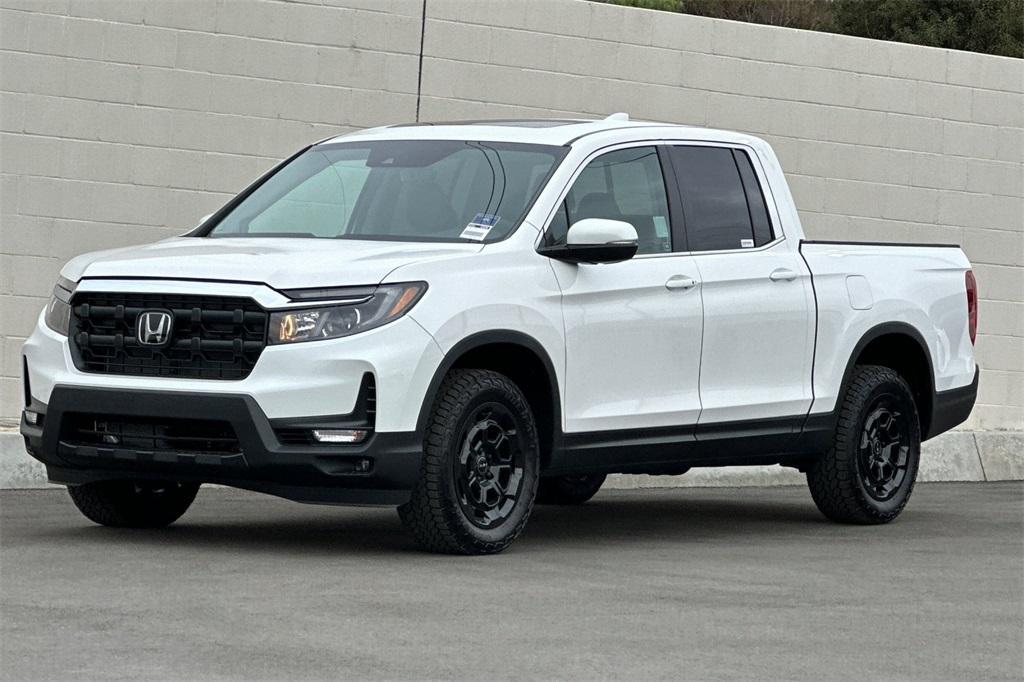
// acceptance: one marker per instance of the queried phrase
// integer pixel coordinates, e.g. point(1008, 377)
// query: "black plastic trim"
point(654, 450)
point(26, 385)
point(855, 243)
point(320, 473)
point(103, 334)
point(677, 218)
point(952, 407)
point(590, 253)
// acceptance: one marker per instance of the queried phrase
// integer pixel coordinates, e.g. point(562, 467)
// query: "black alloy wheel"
point(884, 450)
point(489, 469)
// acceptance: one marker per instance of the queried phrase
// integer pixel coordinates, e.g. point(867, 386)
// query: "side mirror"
point(596, 240)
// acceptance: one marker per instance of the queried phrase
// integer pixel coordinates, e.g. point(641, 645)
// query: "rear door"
point(758, 336)
point(632, 329)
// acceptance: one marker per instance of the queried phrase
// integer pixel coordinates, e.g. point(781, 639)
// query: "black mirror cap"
point(612, 252)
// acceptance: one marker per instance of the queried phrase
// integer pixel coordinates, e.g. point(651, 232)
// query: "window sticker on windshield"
point(480, 226)
point(746, 243)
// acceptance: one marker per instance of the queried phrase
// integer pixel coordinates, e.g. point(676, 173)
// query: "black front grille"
point(150, 434)
point(212, 337)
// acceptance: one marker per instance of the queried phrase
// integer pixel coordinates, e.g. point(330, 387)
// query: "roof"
point(552, 131)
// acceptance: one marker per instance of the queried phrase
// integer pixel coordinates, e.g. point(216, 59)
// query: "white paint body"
point(658, 340)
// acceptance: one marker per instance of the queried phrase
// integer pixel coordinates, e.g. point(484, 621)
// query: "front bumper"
point(332, 474)
point(288, 381)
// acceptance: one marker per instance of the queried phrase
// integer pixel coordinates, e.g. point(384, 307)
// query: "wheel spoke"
point(498, 469)
point(892, 433)
point(884, 454)
point(902, 456)
point(498, 442)
point(898, 477)
point(490, 464)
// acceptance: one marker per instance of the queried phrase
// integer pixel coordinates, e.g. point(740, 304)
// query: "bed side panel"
point(861, 286)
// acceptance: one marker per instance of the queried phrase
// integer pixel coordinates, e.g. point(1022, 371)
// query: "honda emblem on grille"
point(154, 327)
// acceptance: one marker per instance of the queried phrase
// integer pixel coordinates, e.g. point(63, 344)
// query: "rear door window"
point(723, 205)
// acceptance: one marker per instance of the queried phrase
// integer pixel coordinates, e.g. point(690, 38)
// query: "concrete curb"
point(953, 456)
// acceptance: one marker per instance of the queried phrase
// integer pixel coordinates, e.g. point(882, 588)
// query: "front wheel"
point(478, 478)
point(869, 473)
point(133, 504)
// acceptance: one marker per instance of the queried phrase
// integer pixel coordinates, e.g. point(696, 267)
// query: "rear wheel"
point(133, 504)
point(478, 478)
point(568, 490)
point(869, 473)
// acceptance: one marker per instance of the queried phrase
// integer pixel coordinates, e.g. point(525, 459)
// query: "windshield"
point(403, 190)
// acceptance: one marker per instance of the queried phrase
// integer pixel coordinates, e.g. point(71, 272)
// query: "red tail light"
point(972, 304)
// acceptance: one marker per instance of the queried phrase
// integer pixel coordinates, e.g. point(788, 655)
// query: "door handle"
point(782, 275)
point(680, 282)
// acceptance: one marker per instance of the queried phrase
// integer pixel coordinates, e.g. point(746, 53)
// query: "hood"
point(279, 263)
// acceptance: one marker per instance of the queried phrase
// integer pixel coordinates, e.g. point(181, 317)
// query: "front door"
point(632, 329)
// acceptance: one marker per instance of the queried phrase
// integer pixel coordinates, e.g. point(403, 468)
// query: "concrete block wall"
point(123, 122)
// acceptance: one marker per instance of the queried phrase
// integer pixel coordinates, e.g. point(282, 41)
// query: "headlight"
point(388, 302)
point(58, 310)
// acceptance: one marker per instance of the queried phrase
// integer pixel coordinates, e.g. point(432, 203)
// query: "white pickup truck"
point(461, 319)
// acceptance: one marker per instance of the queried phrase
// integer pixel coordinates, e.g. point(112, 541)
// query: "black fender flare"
point(886, 329)
point(485, 338)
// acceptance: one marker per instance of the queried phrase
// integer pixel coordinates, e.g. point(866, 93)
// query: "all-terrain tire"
point(841, 480)
point(436, 514)
point(133, 504)
point(569, 490)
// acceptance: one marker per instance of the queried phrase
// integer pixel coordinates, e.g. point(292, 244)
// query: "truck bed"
point(911, 288)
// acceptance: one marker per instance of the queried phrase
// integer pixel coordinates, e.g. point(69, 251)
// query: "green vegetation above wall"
point(988, 26)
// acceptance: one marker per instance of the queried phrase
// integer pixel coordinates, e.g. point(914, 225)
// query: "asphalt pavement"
point(682, 583)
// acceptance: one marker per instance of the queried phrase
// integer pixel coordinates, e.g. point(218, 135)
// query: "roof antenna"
point(619, 116)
